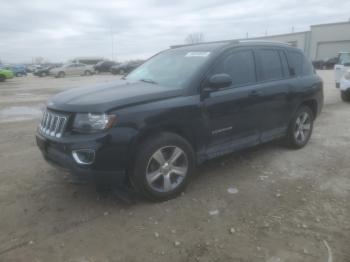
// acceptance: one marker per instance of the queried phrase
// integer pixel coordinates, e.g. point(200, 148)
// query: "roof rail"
point(207, 43)
point(264, 41)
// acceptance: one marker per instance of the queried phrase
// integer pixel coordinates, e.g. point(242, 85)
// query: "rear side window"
point(240, 66)
point(295, 60)
point(269, 65)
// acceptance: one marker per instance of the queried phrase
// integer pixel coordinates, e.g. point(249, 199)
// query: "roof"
point(204, 45)
point(211, 46)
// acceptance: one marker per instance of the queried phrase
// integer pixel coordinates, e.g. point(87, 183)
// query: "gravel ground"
point(269, 203)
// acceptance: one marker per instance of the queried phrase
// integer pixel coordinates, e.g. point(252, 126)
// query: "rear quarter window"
point(295, 61)
point(308, 68)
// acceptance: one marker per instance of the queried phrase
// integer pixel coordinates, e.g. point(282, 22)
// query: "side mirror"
point(220, 81)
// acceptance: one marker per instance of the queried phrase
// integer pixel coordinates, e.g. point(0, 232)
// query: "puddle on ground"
point(19, 113)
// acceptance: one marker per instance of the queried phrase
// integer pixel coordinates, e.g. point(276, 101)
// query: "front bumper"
point(59, 154)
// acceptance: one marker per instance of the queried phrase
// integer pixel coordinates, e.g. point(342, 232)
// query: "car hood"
point(105, 97)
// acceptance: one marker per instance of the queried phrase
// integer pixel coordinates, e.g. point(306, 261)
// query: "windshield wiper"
point(150, 81)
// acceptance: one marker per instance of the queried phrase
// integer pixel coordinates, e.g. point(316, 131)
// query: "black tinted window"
point(284, 64)
point(307, 67)
point(295, 62)
point(270, 66)
point(240, 66)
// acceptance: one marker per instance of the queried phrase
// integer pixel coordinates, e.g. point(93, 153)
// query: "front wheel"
point(345, 96)
point(87, 73)
point(300, 128)
point(162, 167)
point(61, 74)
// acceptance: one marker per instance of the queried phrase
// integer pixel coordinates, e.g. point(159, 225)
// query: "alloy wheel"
point(302, 127)
point(166, 169)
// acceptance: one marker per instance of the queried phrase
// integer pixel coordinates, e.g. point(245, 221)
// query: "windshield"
point(344, 59)
point(172, 68)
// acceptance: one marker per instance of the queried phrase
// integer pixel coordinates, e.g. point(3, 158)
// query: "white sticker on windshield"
point(197, 54)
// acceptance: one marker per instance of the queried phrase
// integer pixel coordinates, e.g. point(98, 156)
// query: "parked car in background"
point(325, 64)
point(104, 66)
point(5, 74)
point(318, 64)
point(341, 67)
point(345, 87)
point(33, 68)
point(72, 69)
point(18, 70)
point(44, 71)
point(330, 63)
point(87, 60)
point(125, 68)
point(180, 108)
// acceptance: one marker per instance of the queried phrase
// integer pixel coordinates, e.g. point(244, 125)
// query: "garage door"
point(331, 49)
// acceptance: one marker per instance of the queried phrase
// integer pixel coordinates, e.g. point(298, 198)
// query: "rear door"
point(80, 69)
point(274, 77)
point(70, 69)
point(234, 113)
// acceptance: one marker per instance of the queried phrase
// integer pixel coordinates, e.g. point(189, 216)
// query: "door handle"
point(255, 93)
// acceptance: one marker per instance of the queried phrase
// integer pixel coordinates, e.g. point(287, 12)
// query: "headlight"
point(91, 123)
point(347, 75)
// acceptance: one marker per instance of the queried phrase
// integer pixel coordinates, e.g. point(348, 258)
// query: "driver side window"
point(240, 66)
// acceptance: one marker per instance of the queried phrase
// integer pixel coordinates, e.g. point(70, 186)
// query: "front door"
point(234, 113)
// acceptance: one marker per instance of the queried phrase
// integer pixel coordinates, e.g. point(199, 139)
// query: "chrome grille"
point(53, 124)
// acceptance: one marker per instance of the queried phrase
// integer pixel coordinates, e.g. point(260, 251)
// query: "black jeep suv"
point(180, 108)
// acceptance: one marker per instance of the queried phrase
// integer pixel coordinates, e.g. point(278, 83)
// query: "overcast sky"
point(60, 30)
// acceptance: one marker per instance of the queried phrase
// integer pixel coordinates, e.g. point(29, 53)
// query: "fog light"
point(84, 156)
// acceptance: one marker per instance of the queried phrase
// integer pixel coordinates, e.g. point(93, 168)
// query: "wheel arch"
point(312, 104)
point(151, 132)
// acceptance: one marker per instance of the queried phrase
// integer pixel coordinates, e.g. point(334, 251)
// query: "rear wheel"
point(61, 74)
point(345, 96)
point(162, 167)
point(300, 128)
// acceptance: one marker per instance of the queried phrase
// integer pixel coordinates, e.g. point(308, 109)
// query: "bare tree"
point(194, 38)
point(39, 60)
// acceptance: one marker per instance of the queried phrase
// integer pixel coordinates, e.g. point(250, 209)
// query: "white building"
point(321, 42)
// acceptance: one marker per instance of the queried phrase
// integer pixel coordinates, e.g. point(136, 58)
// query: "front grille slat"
point(53, 124)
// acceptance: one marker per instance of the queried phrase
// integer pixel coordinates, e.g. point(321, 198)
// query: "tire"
point(153, 172)
point(300, 128)
point(345, 96)
point(61, 74)
point(87, 73)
